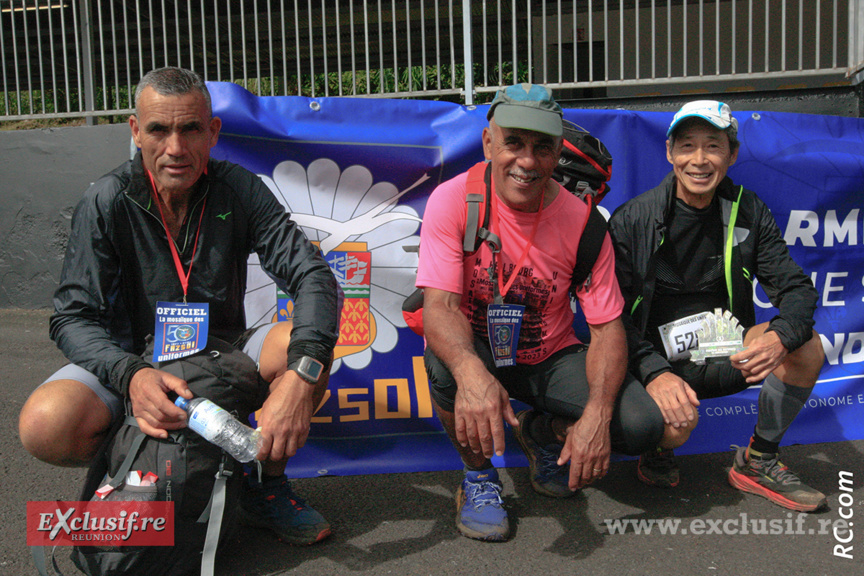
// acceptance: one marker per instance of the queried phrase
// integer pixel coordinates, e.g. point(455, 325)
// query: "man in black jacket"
point(172, 227)
point(692, 245)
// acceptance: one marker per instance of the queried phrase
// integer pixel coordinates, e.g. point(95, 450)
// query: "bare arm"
point(588, 444)
point(285, 417)
point(482, 403)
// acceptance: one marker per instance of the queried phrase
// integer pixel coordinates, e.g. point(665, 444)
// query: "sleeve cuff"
point(320, 352)
point(122, 374)
point(652, 366)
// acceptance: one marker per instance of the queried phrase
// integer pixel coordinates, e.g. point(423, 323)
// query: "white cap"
point(716, 113)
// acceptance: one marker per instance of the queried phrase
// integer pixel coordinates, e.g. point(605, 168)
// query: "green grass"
point(379, 81)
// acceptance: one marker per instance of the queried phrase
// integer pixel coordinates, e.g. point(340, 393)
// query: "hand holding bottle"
point(218, 426)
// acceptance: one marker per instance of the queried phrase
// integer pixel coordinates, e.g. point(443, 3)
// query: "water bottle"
point(221, 428)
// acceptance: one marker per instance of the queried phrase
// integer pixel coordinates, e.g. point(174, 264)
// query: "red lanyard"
point(184, 277)
point(496, 229)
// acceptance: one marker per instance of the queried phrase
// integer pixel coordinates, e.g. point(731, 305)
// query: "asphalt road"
point(403, 524)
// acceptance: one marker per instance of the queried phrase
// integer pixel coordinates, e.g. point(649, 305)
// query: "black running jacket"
point(118, 264)
point(757, 251)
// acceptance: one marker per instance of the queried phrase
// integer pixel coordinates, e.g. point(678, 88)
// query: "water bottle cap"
point(181, 402)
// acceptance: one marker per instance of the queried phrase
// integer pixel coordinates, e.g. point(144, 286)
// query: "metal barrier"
point(74, 58)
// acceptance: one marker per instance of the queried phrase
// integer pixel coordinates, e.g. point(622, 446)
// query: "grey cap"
point(528, 107)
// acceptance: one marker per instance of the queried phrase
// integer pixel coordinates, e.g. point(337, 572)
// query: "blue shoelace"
point(548, 464)
point(482, 494)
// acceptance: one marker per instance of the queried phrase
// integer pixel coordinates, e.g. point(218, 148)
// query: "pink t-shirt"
point(544, 279)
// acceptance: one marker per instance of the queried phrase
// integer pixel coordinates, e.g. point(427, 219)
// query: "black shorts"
point(558, 385)
point(712, 379)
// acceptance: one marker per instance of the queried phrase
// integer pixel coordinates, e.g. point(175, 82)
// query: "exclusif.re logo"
point(88, 523)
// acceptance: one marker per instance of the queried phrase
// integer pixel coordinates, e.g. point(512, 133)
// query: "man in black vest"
point(173, 225)
point(690, 246)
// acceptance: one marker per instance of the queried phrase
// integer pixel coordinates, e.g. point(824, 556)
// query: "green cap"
point(528, 107)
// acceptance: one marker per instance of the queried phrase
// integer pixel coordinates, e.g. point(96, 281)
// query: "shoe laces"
point(483, 493)
point(774, 469)
point(285, 491)
point(663, 460)
point(548, 459)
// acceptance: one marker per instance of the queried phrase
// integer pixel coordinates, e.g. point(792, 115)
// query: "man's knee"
point(805, 363)
point(63, 423)
point(272, 358)
point(641, 430)
point(675, 437)
point(638, 425)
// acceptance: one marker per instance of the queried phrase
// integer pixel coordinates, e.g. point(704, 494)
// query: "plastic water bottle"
point(221, 428)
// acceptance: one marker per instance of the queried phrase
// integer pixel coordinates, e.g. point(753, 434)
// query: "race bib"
point(181, 330)
point(503, 322)
point(679, 336)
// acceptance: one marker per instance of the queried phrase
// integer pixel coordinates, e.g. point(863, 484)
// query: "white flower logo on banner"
point(363, 233)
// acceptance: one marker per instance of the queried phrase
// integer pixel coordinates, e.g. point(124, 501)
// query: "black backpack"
point(585, 165)
point(584, 168)
point(191, 471)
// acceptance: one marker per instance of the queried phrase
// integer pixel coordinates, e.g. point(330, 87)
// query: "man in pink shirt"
point(499, 325)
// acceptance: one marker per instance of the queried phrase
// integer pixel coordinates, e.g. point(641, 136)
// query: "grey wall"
point(845, 101)
point(42, 175)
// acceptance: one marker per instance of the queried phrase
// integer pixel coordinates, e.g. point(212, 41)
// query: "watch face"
point(310, 369)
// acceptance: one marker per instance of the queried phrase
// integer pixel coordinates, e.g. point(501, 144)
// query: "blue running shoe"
point(547, 477)
point(480, 512)
point(274, 505)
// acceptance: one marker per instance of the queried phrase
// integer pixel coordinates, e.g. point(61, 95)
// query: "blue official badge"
point(503, 322)
point(181, 330)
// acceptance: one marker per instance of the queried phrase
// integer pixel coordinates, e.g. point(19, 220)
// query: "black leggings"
point(558, 385)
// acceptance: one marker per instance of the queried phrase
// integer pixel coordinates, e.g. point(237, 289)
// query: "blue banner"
point(355, 174)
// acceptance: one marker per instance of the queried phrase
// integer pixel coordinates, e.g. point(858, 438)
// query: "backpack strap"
point(38, 553)
point(126, 465)
point(478, 195)
point(590, 243)
point(475, 206)
point(213, 514)
point(94, 476)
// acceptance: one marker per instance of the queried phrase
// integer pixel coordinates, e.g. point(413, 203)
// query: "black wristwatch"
point(308, 368)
